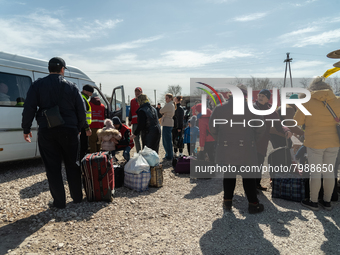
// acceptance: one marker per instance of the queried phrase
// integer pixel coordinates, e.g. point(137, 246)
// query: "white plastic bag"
point(150, 155)
point(136, 165)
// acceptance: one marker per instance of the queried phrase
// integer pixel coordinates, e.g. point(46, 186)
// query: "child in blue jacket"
point(190, 135)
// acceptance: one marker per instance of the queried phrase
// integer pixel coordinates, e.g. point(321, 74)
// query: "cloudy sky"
point(153, 44)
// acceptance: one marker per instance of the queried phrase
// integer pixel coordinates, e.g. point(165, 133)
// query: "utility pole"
point(287, 61)
point(128, 99)
point(100, 86)
point(155, 98)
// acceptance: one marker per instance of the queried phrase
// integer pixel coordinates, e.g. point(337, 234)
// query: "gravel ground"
point(183, 217)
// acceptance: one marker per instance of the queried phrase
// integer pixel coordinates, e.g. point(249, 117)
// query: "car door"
point(12, 143)
point(118, 106)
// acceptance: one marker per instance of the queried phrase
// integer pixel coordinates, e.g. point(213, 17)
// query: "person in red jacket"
point(125, 143)
point(207, 142)
point(133, 117)
point(98, 117)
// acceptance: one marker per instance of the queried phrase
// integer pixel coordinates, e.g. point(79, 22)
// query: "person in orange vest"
point(97, 121)
point(133, 117)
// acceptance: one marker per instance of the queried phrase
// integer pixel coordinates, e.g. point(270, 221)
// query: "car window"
point(13, 89)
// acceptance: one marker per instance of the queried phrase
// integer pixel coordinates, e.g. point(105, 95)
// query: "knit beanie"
point(294, 96)
point(266, 92)
point(88, 88)
point(116, 121)
point(319, 84)
point(193, 120)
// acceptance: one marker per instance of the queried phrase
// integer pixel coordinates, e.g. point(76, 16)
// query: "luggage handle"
point(100, 176)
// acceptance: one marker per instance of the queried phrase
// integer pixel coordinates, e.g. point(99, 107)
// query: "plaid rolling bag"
point(156, 176)
point(139, 182)
point(289, 188)
point(98, 176)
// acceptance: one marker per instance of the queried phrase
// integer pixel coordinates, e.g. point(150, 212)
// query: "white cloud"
point(306, 64)
point(298, 32)
point(108, 24)
point(307, 36)
point(195, 59)
point(130, 45)
point(304, 3)
point(41, 30)
point(250, 17)
point(320, 39)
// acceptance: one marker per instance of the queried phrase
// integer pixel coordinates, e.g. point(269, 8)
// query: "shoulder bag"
point(52, 115)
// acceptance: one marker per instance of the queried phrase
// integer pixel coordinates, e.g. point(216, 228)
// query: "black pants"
point(249, 186)
point(151, 138)
point(210, 149)
point(84, 143)
point(191, 148)
point(260, 160)
point(55, 145)
point(176, 134)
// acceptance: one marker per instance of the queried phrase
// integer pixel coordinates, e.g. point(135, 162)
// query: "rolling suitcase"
point(182, 165)
point(98, 176)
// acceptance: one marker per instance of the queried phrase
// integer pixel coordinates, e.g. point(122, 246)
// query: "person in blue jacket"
point(190, 135)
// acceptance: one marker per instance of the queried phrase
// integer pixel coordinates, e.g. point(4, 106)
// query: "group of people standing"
point(147, 121)
point(247, 146)
point(223, 144)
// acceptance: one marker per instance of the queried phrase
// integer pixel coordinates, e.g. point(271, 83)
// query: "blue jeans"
point(167, 142)
point(126, 153)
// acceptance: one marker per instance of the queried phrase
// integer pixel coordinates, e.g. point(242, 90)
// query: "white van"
point(17, 73)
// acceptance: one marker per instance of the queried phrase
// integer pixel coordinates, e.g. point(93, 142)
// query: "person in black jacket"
point(148, 124)
point(61, 142)
point(177, 130)
point(159, 115)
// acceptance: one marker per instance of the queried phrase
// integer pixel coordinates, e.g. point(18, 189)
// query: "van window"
point(13, 89)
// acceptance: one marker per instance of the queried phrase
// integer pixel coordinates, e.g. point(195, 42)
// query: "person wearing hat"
point(133, 117)
point(60, 142)
point(190, 135)
point(97, 121)
point(321, 140)
point(262, 103)
point(125, 143)
point(86, 130)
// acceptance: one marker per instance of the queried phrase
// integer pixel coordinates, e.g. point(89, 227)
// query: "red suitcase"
point(98, 176)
